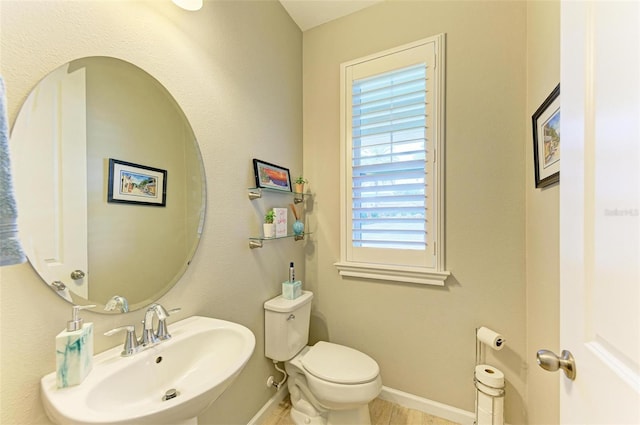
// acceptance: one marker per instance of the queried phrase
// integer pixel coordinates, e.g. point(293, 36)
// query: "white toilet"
point(329, 384)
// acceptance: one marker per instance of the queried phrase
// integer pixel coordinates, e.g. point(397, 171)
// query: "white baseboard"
point(401, 398)
point(269, 406)
point(431, 407)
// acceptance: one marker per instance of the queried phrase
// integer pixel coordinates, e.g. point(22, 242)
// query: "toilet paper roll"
point(489, 376)
point(484, 418)
point(489, 410)
point(493, 414)
point(491, 338)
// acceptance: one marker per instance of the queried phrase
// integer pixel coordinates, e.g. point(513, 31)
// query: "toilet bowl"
point(339, 377)
point(329, 384)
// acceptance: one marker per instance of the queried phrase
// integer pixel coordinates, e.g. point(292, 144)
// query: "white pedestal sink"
point(199, 362)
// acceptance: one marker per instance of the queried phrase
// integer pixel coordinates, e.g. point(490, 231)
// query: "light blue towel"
point(10, 248)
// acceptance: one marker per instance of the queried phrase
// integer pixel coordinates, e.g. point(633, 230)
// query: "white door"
point(52, 197)
point(600, 211)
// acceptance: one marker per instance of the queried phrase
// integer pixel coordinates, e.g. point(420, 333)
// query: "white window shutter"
point(392, 212)
point(389, 160)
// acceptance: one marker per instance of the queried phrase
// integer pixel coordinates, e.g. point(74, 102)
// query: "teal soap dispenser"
point(74, 350)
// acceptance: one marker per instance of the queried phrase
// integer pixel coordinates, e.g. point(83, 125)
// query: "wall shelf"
point(257, 242)
point(256, 193)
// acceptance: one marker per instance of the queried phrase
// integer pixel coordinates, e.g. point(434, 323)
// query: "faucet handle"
point(130, 341)
point(163, 332)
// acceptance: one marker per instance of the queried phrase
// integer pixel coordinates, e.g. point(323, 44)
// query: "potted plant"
point(298, 184)
point(269, 226)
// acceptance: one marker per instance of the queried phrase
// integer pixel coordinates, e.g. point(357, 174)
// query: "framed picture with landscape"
point(546, 140)
point(136, 184)
point(271, 176)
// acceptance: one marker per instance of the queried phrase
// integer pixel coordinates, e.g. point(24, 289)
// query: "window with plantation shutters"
point(389, 156)
point(392, 161)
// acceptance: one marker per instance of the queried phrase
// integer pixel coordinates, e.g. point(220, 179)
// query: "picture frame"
point(271, 176)
point(546, 140)
point(131, 183)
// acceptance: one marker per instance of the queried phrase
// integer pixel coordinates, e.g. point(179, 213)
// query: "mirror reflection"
point(85, 246)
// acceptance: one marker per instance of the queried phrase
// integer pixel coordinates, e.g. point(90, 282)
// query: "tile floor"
point(382, 412)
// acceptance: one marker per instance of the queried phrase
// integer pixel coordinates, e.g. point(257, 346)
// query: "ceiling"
point(311, 13)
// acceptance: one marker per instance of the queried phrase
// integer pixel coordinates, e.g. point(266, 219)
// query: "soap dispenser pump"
point(74, 350)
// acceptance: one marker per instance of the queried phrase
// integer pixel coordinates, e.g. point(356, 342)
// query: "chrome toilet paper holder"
point(494, 393)
point(499, 394)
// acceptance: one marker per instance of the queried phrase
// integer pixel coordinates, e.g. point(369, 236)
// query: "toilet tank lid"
point(282, 305)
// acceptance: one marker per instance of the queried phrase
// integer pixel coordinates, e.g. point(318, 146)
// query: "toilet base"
point(300, 418)
point(359, 416)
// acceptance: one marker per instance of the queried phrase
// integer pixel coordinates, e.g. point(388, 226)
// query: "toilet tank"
point(286, 326)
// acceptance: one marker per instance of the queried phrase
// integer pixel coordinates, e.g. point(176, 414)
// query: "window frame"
point(348, 266)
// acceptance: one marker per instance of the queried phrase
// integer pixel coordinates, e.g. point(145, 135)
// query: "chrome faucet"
point(117, 302)
point(149, 337)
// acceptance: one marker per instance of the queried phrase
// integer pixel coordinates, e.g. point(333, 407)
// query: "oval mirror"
point(109, 183)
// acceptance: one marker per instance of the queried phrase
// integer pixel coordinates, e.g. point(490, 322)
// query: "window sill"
point(393, 273)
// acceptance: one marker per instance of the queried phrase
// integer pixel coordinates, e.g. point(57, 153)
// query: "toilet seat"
point(339, 364)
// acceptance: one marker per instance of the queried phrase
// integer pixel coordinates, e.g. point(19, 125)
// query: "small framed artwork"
point(136, 184)
point(271, 176)
point(546, 140)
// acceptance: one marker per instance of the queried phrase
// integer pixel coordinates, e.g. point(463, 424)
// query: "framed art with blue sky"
point(136, 184)
point(546, 140)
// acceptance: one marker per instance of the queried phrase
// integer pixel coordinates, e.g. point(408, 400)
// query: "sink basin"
point(199, 362)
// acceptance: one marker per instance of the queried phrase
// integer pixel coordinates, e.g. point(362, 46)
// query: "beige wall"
point(542, 223)
point(422, 336)
point(235, 69)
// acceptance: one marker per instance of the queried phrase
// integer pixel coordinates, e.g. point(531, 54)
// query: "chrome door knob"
point(548, 360)
point(77, 274)
point(58, 285)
